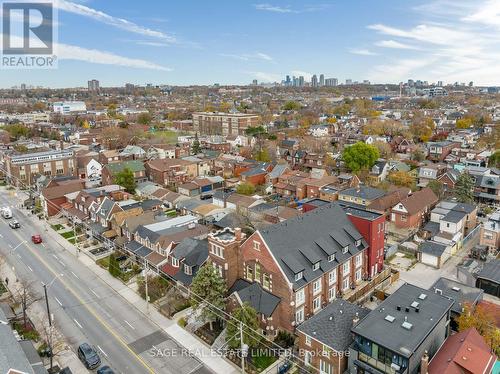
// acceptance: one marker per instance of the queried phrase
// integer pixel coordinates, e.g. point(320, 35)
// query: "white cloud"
point(274, 8)
point(307, 76)
point(394, 44)
point(487, 13)
point(265, 77)
point(120, 23)
point(362, 52)
point(248, 56)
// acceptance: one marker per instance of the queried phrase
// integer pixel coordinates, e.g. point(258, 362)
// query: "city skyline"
point(235, 43)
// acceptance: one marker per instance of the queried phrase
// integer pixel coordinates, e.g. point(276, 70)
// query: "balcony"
point(365, 287)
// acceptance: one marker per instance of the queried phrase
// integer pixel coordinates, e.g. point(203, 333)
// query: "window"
point(299, 315)
point(358, 242)
point(403, 217)
point(331, 258)
point(325, 351)
point(357, 260)
point(256, 245)
point(357, 275)
point(257, 272)
point(308, 340)
point(188, 270)
point(300, 297)
point(317, 304)
point(317, 287)
point(346, 267)
point(345, 249)
point(332, 293)
point(316, 266)
point(175, 262)
point(250, 273)
point(217, 250)
point(345, 284)
point(299, 276)
point(266, 281)
point(332, 277)
point(307, 357)
point(325, 367)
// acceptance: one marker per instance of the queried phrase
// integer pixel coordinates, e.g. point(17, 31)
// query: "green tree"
point(494, 160)
point(464, 123)
point(248, 316)
point(195, 148)
point(437, 187)
point(125, 178)
point(157, 288)
point(418, 155)
point(360, 156)
point(262, 156)
point(245, 188)
point(291, 105)
point(17, 130)
point(463, 188)
point(111, 110)
point(144, 118)
point(207, 291)
point(113, 265)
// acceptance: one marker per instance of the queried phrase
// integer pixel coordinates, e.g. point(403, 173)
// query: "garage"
point(433, 253)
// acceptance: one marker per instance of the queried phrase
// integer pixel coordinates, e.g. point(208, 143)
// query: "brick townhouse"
point(306, 262)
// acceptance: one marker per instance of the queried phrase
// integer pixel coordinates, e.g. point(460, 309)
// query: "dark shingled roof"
point(392, 335)
point(432, 248)
point(261, 300)
point(490, 271)
point(310, 237)
point(364, 192)
point(460, 293)
point(332, 326)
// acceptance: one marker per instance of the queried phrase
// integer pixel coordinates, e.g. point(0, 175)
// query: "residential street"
point(84, 308)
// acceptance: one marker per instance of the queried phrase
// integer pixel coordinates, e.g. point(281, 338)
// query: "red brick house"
point(306, 262)
point(412, 211)
point(53, 196)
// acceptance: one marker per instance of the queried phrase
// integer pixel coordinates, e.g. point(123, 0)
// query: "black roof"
point(490, 271)
point(332, 325)
point(460, 293)
point(432, 248)
point(364, 192)
point(299, 242)
point(377, 325)
point(258, 298)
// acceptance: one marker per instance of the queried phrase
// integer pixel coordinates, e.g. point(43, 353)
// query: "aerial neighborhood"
point(298, 227)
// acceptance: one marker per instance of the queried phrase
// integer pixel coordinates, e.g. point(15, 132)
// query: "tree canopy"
point(248, 316)
point(463, 188)
point(483, 321)
point(360, 156)
point(125, 178)
point(245, 188)
point(494, 160)
point(291, 105)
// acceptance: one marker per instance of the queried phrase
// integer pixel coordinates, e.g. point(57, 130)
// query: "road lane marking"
point(30, 268)
point(58, 301)
point(10, 246)
point(18, 255)
point(78, 323)
point(76, 276)
point(43, 245)
point(62, 263)
point(53, 255)
point(132, 327)
point(91, 290)
point(104, 353)
point(90, 310)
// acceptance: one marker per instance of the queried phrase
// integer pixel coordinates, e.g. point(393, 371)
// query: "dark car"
point(105, 370)
point(88, 355)
point(14, 224)
point(36, 239)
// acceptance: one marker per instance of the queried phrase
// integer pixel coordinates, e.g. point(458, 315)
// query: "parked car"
point(36, 239)
point(88, 355)
point(14, 224)
point(105, 370)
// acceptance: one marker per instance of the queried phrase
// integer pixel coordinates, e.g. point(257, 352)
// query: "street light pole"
point(242, 349)
point(146, 288)
point(47, 303)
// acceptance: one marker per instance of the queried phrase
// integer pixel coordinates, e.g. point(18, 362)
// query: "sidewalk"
point(38, 315)
point(208, 357)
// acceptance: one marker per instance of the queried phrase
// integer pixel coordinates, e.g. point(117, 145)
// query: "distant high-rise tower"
point(348, 82)
point(301, 81)
point(93, 85)
point(23, 86)
point(254, 82)
point(322, 80)
point(288, 81)
point(440, 84)
point(314, 81)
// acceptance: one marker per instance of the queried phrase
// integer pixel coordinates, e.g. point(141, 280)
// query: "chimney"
point(424, 363)
point(61, 144)
point(355, 320)
point(237, 233)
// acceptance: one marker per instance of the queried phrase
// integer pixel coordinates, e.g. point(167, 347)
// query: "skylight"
point(406, 325)
point(456, 289)
point(422, 296)
point(389, 318)
point(415, 304)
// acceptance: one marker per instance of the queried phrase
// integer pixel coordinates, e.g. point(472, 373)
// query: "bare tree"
point(53, 340)
point(26, 297)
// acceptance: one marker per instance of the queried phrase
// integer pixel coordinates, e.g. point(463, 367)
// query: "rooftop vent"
point(422, 296)
point(406, 325)
point(407, 310)
point(389, 318)
point(438, 291)
point(398, 307)
point(415, 304)
point(456, 289)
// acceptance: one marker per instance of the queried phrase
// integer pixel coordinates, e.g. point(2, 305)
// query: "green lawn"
point(103, 262)
point(57, 227)
point(261, 362)
point(168, 136)
point(71, 240)
point(68, 234)
point(2, 288)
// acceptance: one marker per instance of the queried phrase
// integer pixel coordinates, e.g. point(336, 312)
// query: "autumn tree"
point(291, 105)
point(437, 187)
point(144, 118)
point(464, 123)
point(484, 321)
point(125, 178)
point(243, 318)
point(207, 293)
point(384, 149)
point(494, 160)
point(245, 188)
point(422, 129)
point(360, 156)
point(463, 188)
point(402, 179)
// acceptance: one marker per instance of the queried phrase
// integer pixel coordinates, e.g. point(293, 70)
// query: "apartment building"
point(218, 123)
point(25, 168)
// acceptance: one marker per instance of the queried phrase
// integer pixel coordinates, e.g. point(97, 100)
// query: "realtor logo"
point(28, 35)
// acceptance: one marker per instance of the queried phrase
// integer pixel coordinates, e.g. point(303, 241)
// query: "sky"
point(183, 42)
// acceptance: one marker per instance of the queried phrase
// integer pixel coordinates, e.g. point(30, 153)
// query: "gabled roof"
point(363, 192)
point(261, 300)
point(420, 200)
point(491, 271)
point(319, 233)
point(465, 352)
point(432, 248)
point(332, 325)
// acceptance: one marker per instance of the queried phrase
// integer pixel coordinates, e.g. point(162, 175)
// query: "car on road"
point(6, 213)
point(14, 224)
point(105, 370)
point(37, 239)
point(88, 355)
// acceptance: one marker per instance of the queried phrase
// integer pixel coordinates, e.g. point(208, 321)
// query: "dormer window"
point(345, 249)
point(175, 262)
point(188, 270)
point(358, 242)
point(331, 258)
point(299, 276)
point(316, 266)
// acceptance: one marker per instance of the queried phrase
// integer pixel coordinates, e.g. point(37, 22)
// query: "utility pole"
point(146, 288)
point(242, 349)
point(47, 303)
